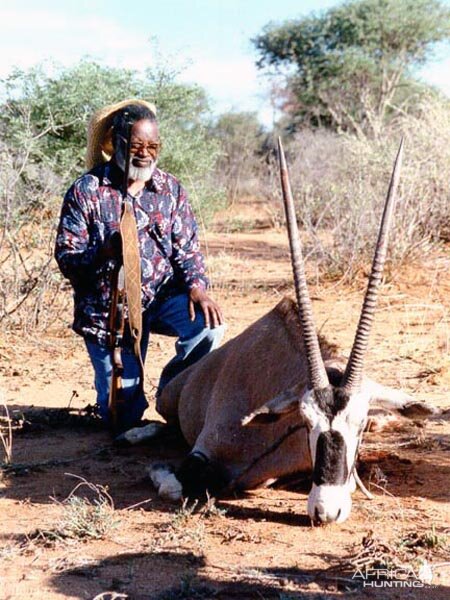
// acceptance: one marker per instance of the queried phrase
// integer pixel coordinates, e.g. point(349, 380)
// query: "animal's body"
point(210, 401)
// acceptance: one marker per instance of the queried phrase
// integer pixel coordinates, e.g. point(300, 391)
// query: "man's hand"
point(112, 248)
point(211, 310)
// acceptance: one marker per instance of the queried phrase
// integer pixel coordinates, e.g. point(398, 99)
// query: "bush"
point(350, 68)
point(43, 131)
point(340, 184)
point(43, 120)
point(241, 138)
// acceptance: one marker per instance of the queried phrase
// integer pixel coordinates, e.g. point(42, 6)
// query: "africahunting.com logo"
point(395, 577)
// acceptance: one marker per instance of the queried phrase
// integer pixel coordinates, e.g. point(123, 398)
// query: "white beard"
point(141, 173)
point(136, 173)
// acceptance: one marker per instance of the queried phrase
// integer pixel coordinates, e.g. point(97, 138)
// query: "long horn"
point(353, 373)
point(317, 375)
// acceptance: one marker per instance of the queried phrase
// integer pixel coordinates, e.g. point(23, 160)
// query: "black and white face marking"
point(335, 422)
point(330, 466)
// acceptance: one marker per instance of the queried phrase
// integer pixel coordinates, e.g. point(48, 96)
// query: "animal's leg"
point(138, 435)
point(165, 482)
point(199, 475)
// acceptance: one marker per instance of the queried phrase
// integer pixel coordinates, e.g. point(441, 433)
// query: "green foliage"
point(44, 118)
point(238, 130)
point(350, 66)
point(241, 138)
point(188, 151)
point(43, 122)
point(49, 113)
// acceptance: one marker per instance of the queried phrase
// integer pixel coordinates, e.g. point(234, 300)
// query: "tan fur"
point(211, 398)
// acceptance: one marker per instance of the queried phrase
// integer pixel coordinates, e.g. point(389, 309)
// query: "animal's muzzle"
point(329, 503)
point(323, 517)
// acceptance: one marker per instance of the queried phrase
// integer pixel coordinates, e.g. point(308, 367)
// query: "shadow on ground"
point(177, 575)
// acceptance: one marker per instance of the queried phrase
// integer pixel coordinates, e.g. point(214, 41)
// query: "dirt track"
point(261, 545)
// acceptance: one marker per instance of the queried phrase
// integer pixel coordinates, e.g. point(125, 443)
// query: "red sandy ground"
point(260, 545)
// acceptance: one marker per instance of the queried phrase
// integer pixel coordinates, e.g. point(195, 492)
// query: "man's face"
point(144, 149)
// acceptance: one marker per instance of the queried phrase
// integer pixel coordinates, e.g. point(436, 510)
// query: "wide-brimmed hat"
point(99, 138)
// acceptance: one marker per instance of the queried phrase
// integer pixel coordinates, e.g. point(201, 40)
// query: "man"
point(88, 249)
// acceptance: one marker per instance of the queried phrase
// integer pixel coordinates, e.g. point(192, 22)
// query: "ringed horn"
point(351, 381)
point(316, 369)
point(317, 374)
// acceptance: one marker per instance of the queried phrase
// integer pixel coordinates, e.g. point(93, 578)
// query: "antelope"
point(277, 400)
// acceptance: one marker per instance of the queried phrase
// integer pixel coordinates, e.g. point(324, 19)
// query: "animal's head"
point(335, 406)
point(335, 418)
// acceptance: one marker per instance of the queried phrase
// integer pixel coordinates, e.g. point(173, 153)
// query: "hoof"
point(165, 482)
point(137, 435)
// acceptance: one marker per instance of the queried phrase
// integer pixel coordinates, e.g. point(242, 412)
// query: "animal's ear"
point(398, 401)
point(276, 408)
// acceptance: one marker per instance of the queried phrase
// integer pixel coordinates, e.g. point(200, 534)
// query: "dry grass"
point(340, 183)
point(82, 518)
point(86, 517)
point(187, 526)
point(427, 540)
point(228, 271)
point(401, 558)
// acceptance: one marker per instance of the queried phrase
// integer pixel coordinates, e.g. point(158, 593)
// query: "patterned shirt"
point(167, 232)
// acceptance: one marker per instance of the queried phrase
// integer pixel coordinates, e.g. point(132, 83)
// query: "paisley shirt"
point(170, 256)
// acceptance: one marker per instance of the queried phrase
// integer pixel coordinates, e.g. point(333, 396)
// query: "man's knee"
point(206, 340)
point(215, 334)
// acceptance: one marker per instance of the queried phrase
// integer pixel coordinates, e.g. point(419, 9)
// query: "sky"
point(207, 40)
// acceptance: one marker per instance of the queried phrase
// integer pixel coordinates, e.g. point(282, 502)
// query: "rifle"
point(116, 312)
point(127, 289)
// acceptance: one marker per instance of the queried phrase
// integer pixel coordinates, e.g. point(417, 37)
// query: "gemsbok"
point(276, 400)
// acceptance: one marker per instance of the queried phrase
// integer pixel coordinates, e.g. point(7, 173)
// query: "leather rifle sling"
point(132, 276)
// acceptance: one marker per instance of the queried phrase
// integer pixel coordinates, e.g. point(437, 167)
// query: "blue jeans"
point(169, 317)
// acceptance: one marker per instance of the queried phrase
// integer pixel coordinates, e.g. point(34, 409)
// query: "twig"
point(299, 577)
point(74, 395)
point(380, 487)
point(138, 504)
point(361, 485)
point(7, 440)
point(100, 490)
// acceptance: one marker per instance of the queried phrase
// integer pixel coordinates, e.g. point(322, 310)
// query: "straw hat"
point(99, 139)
